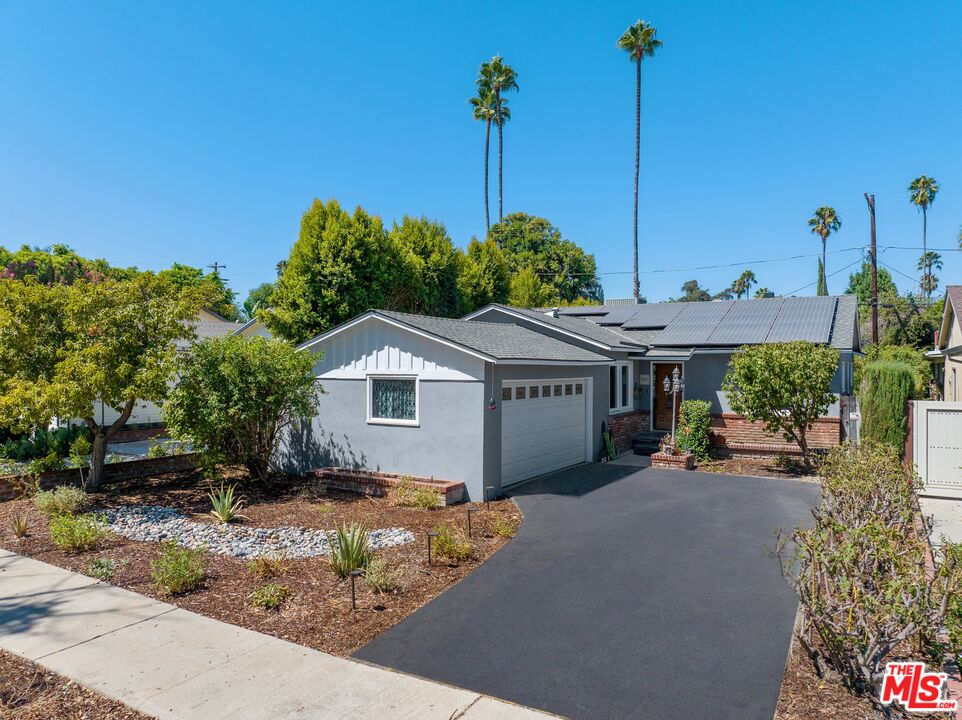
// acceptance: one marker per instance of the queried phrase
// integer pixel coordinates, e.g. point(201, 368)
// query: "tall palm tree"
point(930, 259)
point(498, 77)
point(823, 223)
point(922, 192)
point(743, 285)
point(638, 41)
point(484, 109)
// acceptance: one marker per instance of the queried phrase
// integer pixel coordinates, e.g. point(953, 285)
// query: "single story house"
point(947, 354)
point(506, 394)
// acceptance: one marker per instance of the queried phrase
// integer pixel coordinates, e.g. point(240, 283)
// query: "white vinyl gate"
point(543, 427)
point(937, 447)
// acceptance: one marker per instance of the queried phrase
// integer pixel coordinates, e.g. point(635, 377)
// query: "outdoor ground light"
point(354, 574)
point(431, 536)
point(470, 510)
point(487, 497)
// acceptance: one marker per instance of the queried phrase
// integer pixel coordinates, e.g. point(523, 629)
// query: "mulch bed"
point(31, 692)
point(318, 611)
point(780, 467)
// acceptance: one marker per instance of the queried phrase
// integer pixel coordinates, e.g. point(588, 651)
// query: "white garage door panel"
point(541, 434)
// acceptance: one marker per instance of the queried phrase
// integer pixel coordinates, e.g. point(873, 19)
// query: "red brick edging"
point(378, 484)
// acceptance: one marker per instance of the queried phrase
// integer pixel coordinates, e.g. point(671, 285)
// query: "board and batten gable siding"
point(447, 442)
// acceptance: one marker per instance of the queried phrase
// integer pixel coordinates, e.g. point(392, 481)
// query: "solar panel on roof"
point(694, 324)
point(584, 310)
point(748, 323)
point(804, 318)
point(656, 315)
point(618, 314)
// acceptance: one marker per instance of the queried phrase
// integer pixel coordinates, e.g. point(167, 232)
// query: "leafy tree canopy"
point(484, 275)
point(693, 292)
point(218, 296)
point(527, 290)
point(258, 297)
point(236, 395)
point(532, 242)
point(56, 264)
point(426, 280)
point(860, 284)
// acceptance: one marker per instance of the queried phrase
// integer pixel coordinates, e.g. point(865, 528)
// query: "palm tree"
point(484, 109)
point(762, 292)
point(823, 223)
point(922, 192)
point(498, 77)
point(930, 259)
point(638, 41)
point(743, 285)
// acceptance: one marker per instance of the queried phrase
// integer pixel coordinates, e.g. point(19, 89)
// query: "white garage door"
point(542, 427)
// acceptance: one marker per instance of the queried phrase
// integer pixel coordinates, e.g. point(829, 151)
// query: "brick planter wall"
point(674, 462)
point(733, 434)
point(133, 434)
point(12, 485)
point(625, 426)
point(368, 482)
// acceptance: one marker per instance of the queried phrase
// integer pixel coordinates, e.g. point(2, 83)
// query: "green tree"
point(886, 389)
point(55, 264)
point(638, 41)
point(219, 297)
point(821, 287)
point(259, 297)
point(236, 396)
point(484, 276)
point(485, 109)
point(498, 77)
point(743, 284)
point(533, 242)
point(762, 292)
point(783, 385)
point(860, 284)
point(930, 259)
point(824, 222)
point(528, 291)
point(428, 265)
point(340, 266)
point(63, 348)
point(693, 292)
point(908, 323)
point(907, 354)
point(922, 192)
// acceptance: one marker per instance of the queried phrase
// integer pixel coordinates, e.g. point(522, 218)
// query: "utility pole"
point(870, 199)
point(217, 267)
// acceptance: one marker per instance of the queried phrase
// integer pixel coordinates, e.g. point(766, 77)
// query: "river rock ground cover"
point(318, 611)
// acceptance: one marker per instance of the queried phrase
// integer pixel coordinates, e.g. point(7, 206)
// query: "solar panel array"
point(584, 310)
point(656, 315)
point(747, 323)
point(618, 314)
point(694, 324)
point(805, 318)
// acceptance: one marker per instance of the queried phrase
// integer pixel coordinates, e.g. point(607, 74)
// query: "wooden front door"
point(664, 401)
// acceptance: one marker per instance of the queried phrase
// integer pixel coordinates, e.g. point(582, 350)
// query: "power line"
point(858, 260)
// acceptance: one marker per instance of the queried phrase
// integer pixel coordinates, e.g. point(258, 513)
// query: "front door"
point(663, 401)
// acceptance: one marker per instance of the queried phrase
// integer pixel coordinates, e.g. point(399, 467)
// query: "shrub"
point(694, 428)
point(227, 507)
point(77, 533)
point(19, 525)
point(101, 568)
point(407, 494)
point(42, 442)
point(179, 570)
point(267, 566)
point(156, 449)
point(860, 571)
point(911, 356)
point(349, 549)
point(271, 596)
point(504, 527)
point(380, 577)
point(451, 544)
point(886, 388)
point(48, 463)
point(62, 500)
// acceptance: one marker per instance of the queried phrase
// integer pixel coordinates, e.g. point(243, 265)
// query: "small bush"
point(62, 500)
point(101, 568)
point(504, 527)
point(407, 494)
point(271, 596)
point(451, 544)
point(227, 507)
point(886, 388)
point(156, 449)
point(179, 570)
point(267, 567)
point(694, 428)
point(19, 525)
point(349, 549)
point(324, 508)
point(381, 578)
point(77, 533)
point(48, 463)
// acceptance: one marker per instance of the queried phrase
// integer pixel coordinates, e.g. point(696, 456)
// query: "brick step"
point(646, 443)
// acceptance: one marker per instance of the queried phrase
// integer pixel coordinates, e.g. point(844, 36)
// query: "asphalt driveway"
point(627, 593)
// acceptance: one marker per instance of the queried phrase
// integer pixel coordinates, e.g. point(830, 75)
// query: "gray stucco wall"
point(447, 444)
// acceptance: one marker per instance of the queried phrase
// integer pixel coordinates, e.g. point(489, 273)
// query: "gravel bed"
point(154, 523)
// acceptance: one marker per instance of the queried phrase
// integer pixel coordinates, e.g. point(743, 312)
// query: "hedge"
point(694, 427)
point(886, 389)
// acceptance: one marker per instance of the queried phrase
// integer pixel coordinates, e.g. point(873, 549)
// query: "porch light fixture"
point(675, 386)
point(354, 574)
point(491, 404)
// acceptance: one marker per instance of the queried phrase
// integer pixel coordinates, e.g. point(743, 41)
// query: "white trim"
point(651, 389)
point(624, 404)
point(522, 316)
point(444, 375)
point(371, 420)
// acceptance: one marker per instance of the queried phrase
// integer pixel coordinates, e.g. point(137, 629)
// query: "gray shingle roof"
point(611, 337)
point(844, 331)
point(502, 341)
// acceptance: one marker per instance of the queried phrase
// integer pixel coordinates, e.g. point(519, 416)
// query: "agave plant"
point(349, 549)
point(227, 507)
point(19, 523)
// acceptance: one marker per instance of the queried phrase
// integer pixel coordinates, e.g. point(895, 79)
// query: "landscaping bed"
point(317, 611)
point(31, 692)
point(779, 466)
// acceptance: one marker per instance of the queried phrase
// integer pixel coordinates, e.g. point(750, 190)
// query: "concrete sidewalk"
point(171, 663)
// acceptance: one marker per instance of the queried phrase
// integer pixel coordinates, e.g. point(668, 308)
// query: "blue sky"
point(199, 132)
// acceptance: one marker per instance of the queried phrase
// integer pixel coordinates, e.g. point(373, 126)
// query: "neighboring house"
point(506, 394)
point(253, 327)
point(947, 355)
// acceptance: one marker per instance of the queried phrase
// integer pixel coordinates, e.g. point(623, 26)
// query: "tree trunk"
point(500, 120)
point(925, 265)
point(487, 147)
point(98, 456)
point(803, 444)
point(635, 285)
point(824, 267)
